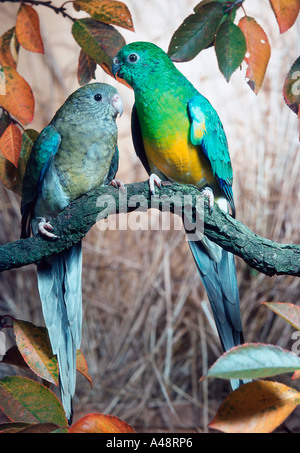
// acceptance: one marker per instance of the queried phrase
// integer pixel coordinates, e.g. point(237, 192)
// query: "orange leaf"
point(296, 375)
point(82, 367)
point(258, 51)
point(256, 407)
point(100, 423)
point(9, 48)
point(16, 95)
point(34, 345)
point(11, 176)
point(286, 12)
point(107, 11)
point(28, 29)
point(10, 143)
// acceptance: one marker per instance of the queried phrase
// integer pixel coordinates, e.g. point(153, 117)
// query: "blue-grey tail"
point(218, 273)
point(59, 283)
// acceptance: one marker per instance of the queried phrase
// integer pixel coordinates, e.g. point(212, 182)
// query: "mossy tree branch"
point(72, 224)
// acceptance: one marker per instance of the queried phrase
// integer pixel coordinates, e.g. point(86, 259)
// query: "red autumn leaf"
point(16, 95)
point(286, 12)
point(9, 48)
point(258, 52)
point(256, 407)
point(11, 176)
point(100, 423)
point(86, 68)
point(28, 29)
point(10, 143)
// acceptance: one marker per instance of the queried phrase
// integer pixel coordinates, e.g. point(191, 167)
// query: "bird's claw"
point(44, 228)
point(117, 183)
point(155, 180)
point(207, 192)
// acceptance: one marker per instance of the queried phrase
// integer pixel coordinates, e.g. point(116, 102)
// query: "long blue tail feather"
point(59, 283)
point(218, 274)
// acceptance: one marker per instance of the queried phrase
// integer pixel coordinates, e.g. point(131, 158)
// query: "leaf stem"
point(56, 9)
point(232, 4)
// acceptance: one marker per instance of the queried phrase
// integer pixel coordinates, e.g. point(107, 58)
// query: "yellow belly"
point(180, 161)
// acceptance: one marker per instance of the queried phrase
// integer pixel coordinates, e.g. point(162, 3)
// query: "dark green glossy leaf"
point(196, 32)
point(230, 46)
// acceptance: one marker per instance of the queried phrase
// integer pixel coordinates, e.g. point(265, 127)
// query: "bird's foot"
point(117, 183)
point(207, 192)
point(155, 180)
point(44, 227)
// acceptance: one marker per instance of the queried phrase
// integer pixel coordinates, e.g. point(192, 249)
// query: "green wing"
point(43, 151)
point(207, 131)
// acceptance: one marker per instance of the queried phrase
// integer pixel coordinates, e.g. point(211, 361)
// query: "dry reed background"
point(148, 333)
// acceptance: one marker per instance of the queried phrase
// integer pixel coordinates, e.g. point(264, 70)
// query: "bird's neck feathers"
point(159, 91)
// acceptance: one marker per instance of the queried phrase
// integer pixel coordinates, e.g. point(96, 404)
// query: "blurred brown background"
point(148, 333)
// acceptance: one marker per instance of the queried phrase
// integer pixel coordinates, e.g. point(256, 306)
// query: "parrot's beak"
point(118, 104)
point(116, 66)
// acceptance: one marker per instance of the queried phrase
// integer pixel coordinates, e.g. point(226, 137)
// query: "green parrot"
point(76, 152)
point(178, 136)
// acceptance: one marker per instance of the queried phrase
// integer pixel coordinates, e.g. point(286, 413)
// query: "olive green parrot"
point(76, 152)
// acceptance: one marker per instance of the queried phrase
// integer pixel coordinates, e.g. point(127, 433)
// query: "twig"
point(48, 4)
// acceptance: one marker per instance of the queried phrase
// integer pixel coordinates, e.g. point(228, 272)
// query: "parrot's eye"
point(98, 97)
point(133, 57)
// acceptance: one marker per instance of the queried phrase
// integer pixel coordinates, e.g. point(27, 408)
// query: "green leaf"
point(4, 122)
point(291, 89)
point(26, 401)
point(196, 32)
point(230, 46)
point(100, 41)
point(254, 361)
point(9, 48)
